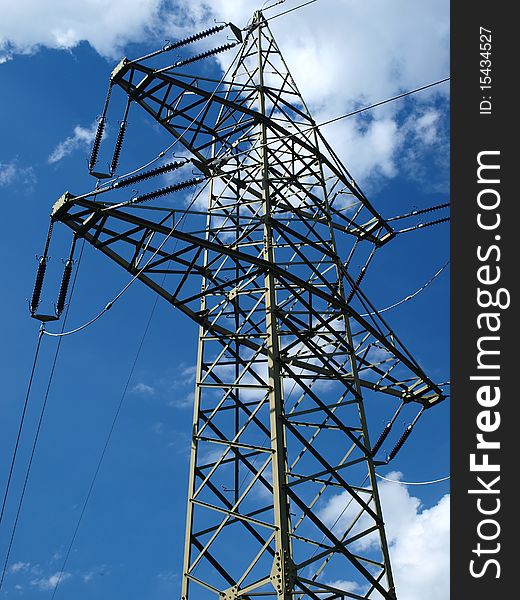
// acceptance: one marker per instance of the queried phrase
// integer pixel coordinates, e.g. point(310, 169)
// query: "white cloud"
point(343, 54)
point(12, 173)
point(89, 576)
point(144, 389)
point(347, 586)
point(49, 583)
point(82, 137)
point(185, 401)
point(347, 54)
point(186, 374)
point(18, 567)
point(426, 126)
point(418, 538)
point(27, 25)
point(167, 577)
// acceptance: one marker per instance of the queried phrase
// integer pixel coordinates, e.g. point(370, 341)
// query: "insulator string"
point(381, 438)
point(170, 189)
point(197, 57)
point(386, 431)
point(40, 273)
point(172, 166)
point(38, 284)
point(419, 212)
point(65, 280)
point(405, 435)
point(97, 143)
point(120, 138)
point(184, 42)
point(360, 277)
point(99, 132)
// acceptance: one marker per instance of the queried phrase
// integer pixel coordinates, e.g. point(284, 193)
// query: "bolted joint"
point(283, 573)
point(232, 593)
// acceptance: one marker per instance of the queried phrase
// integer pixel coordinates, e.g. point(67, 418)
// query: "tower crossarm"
point(186, 106)
point(126, 237)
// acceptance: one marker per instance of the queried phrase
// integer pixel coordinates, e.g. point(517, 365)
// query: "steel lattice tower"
point(286, 361)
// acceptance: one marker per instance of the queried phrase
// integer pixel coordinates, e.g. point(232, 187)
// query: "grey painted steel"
point(286, 362)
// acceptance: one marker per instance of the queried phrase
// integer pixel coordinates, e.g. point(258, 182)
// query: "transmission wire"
point(346, 115)
point(286, 12)
point(413, 482)
point(113, 424)
point(40, 421)
point(105, 447)
point(411, 296)
point(20, 427)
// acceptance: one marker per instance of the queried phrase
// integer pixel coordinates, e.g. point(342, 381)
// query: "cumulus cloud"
point(183, 401)
point(13, 173)
point(346, 54)
point(19, 567)
point(343, 54)
point(143, 389)
point(45, 584)
point(347, 586)
point(27, 25)
point(81, 138)
point(419, 538)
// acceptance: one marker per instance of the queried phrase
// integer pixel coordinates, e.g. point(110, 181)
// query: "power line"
point(286, 12)
point(112, 427)
point(360, 110)
point(413, 482)
point(105, 446)
point(22, 421)
point(108, 187)
point(40, 421)
point(396, 304)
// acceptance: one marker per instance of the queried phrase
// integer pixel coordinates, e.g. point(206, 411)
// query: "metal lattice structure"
point(286, 361)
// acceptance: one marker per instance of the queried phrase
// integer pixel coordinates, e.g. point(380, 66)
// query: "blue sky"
point(53, 73)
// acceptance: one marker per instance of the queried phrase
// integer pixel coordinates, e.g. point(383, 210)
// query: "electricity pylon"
point(282, 497)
